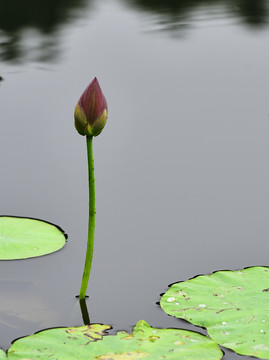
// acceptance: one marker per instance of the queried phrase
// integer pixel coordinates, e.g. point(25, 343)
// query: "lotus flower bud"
point(91, 110)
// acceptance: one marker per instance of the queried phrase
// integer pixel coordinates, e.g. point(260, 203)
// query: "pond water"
point(181, 167)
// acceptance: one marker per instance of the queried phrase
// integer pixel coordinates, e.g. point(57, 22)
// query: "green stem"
point(91, 225)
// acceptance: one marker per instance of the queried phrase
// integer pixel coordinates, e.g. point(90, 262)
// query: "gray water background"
point(181, 167)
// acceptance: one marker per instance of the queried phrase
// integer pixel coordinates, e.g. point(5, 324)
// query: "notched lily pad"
point(91, 342)
point(22, 238)
point(232, 305)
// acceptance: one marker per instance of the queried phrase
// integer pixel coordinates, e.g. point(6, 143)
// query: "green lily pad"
point(22, 238)
point(3, 355)
point(91, 342)
point(58, 343)
point(232, 305)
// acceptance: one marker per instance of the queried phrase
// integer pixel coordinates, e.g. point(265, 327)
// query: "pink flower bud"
point(91, 110)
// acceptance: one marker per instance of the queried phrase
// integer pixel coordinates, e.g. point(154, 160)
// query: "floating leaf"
point(89, 342)
point(22, 238)
point(58, 343)
point(3, 355)
point(232, 305)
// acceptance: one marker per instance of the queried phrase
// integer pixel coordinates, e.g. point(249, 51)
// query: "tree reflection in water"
point(29, 20)
point(176, 13)
point(24, 23)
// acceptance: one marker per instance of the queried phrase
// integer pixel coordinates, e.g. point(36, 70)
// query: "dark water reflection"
point(42, 21)
point(249, 12)
point(30, 19)
point(175, 15)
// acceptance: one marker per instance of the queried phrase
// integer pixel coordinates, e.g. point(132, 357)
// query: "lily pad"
point(22, 238)
point(232, 305)
point(90, 342)
point(3, 355)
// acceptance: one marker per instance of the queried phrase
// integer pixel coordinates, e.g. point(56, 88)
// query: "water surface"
point(181, 167)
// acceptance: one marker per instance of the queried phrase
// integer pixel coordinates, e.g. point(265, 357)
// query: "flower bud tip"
point(91, 110)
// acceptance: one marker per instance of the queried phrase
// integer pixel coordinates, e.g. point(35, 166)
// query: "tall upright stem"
point(91, 225)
